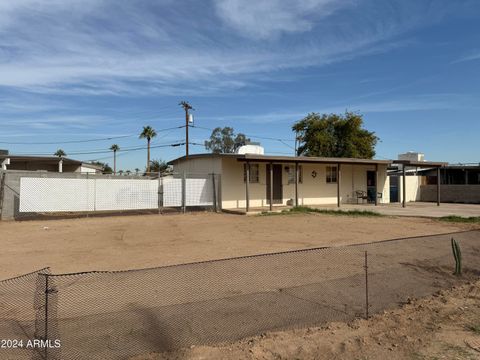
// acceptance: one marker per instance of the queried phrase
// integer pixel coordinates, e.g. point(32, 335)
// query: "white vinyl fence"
point(43, 195)
point(59, 194)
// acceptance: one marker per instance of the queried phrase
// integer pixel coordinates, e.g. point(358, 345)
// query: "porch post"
point(247, 186)
point(404, 203)
point(296, 184)
point(271, 186)
point(376, 184)
point(438, 186)
point(339, 174)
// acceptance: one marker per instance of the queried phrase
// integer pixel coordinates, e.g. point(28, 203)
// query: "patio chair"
point(361, 195)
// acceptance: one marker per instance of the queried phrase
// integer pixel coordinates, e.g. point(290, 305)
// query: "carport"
point(418, 165)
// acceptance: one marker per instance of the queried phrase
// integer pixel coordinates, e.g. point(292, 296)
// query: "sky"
point(83, 74)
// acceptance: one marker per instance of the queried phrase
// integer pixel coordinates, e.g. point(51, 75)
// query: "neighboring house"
point(46, 163)
point(460, 183)
point(456, 183)
point(245, 179)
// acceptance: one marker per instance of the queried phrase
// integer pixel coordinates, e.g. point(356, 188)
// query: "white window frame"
point(254, 173)
point(331, 175)
point(291, 174)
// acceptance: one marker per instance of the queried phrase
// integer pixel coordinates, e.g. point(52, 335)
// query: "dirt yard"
point(128, 242)
point(443, 326)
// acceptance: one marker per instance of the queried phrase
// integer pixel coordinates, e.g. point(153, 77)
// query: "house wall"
point(313, 190)
point(413, 188)
point(85, 169)
point(202, 166)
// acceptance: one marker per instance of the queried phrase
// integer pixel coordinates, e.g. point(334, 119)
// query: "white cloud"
point(269, 18)
point(144, 47)
point(470, 57)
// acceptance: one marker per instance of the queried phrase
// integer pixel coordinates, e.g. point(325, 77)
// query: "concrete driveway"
point(421, 209)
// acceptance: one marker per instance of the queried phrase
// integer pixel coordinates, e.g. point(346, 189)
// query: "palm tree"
point(60, 153)
point(114, 148)
point(148, 133)
point(137, 170)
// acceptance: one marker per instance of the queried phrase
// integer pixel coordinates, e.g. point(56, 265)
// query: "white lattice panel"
point(52, 195)
point(172, 192)
point(126, 194)
point(199, 192)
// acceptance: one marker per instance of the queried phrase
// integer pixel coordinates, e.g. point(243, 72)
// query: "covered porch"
point(312, 181)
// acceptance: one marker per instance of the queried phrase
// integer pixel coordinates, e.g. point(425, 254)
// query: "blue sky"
point(73, 70)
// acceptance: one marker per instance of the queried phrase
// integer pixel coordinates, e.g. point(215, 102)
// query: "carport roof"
point(39, 158)
point(423, 164)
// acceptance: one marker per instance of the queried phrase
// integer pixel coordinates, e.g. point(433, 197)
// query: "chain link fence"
point(118, 315)
point(33, 195)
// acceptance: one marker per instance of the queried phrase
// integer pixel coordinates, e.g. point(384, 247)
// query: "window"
point(291, 174)
point(254, 176)
point(331, 174)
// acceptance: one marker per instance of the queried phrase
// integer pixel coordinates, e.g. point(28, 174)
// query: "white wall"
point(84, 169)
point(413, 188)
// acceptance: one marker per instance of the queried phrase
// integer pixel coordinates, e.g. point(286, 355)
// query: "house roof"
point(285, 159)
point(39, 158)
point(48, 160)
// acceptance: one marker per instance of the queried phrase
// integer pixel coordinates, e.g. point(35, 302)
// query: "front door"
point(277, 184)
point(394, 189)
point(371, 186)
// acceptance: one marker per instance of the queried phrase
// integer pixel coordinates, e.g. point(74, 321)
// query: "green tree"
point(60, 153)
point(332, 135)
point(114, 148)
point(148, 133)
point(224, 140)
point(158, 166)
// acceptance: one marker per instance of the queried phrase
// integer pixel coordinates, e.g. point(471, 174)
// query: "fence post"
point(88, 194)
point(214, 193)
point(184, 192)
point(160, 193)
point(2, 193)
point(366, 285)
point(47, 291)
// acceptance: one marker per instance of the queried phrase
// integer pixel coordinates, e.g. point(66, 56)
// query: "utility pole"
point(186, 106)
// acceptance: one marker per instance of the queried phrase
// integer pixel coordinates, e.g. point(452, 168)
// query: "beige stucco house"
point(245, 179)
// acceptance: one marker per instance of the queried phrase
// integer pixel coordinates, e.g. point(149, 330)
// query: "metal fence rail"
point(117, 315)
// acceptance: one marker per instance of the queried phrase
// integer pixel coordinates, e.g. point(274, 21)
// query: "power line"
point(249, 135)
point(86, 140)
point(65, 142)
point(109, 151)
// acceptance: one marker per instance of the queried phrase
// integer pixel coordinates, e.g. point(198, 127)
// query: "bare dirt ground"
point(128, 242)
point(443, 326)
